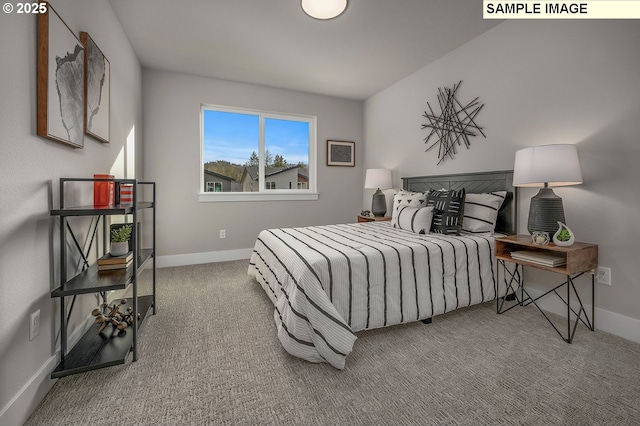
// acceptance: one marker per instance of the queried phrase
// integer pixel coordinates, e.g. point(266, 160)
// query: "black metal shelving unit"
point(97, 350)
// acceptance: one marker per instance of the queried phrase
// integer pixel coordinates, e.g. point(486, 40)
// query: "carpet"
point(211, 357)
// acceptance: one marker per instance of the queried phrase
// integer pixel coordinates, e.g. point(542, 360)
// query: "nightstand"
point(373, 218)
point(572, 262)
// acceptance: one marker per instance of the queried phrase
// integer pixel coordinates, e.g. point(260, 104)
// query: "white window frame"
point(263, 194)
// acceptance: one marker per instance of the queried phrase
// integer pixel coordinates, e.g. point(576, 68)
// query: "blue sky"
point(233, 137)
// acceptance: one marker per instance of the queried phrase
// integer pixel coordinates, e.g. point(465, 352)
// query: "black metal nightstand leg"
point(515, 284)
point(516, 278)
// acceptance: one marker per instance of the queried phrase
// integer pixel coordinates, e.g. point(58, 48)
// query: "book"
point(115, 266)
point(546, 258)
point(108, 259)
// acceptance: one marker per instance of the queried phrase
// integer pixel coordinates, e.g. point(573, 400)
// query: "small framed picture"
point(341, 153)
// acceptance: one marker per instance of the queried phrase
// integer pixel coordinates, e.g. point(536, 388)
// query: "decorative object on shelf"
point(120, 240)
point(126, 194)
point(546, 166)
point(540, 238)
point(96, 90)
point(119, 320)
point(563, 236)
point(454, 125)
point(341, 153)
point(380, 179)
point(60, 103)
point(103, 192)
point(323, 9)
point(365, 213)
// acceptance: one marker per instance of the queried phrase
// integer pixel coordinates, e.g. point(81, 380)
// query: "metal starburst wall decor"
point(454, 125)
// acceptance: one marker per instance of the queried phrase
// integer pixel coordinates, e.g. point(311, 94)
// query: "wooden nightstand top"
point(581, 257)
point(373, 218)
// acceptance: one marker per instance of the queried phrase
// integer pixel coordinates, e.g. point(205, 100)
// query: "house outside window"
point(257, 155)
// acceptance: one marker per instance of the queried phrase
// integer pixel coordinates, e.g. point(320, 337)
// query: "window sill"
point(215, 197)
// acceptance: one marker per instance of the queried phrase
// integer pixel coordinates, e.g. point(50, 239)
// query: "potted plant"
point(120, 240)
point(563, 237)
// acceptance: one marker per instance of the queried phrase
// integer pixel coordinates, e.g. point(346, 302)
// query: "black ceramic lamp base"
point(545, 212)
point(379, 204)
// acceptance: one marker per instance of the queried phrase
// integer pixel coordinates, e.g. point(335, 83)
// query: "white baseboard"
point(29, 396)
point(18, 410)
point(610, 322)
point(207, 257)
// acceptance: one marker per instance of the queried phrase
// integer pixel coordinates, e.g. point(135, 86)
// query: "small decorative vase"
point(540, 238)
point(119, 249)
point(560, 237)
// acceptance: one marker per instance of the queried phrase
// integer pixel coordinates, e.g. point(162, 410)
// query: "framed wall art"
point(341, 153)
point(96, 90)
point(60, 87)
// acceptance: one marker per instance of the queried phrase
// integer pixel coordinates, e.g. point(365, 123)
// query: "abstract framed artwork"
point(341, 153)
point(96, 90)
point(60, 92)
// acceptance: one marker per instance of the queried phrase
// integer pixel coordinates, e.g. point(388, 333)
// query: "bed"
point(329, 282)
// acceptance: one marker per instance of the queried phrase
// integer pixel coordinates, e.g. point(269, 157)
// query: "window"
point(213, 187)
point(256, 155)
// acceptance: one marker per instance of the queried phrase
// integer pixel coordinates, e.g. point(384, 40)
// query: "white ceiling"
point(372, 45)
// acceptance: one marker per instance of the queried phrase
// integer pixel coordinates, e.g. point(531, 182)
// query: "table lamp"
point(380, 179)
point(546, 166)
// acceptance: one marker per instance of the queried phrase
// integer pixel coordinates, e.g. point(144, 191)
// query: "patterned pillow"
point(448, 209)
point(405, 199)
point(481, 212)
point(416, 219)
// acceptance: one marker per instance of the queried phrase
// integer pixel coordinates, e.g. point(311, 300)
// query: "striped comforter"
point(327, 282)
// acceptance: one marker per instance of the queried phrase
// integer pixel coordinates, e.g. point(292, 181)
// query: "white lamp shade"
point(555, 165)
point(377, 178)
point(323, 9)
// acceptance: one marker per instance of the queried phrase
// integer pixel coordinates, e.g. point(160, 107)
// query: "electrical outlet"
point(223, 233)
point(603, 275)
point(34, 324)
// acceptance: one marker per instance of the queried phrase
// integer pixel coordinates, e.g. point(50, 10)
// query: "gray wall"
point(542, 82)
point(172, 159)
point(31, 167)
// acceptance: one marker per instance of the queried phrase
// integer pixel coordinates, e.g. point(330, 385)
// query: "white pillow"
point(405, 199)
point(481, 212)
point(416, 219)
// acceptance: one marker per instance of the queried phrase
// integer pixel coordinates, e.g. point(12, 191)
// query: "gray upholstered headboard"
point(476, 183)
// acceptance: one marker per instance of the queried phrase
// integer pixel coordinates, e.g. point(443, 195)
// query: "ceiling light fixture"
point(323, 9)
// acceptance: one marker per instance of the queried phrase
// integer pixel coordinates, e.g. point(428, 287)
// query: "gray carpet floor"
point(211, 357)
